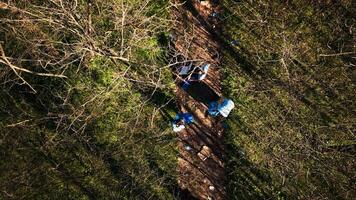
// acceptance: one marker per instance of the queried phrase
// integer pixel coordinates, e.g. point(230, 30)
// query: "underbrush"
point(290, 72)
point(100, 130)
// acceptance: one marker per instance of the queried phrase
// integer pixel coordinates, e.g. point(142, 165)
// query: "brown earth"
point(203, 166)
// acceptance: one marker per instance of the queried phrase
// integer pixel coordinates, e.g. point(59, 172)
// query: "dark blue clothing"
point(187, 118)
point(213, 109)
point(185, 85)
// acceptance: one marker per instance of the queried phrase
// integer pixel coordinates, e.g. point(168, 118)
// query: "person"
point(225, 107)
point(192, 74)
point(180, 120)
point(200, 73)
point(184, 70)
point(222, 107)
point(185, 84)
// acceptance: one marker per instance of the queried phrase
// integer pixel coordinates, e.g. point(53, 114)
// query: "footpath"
point(201, 160)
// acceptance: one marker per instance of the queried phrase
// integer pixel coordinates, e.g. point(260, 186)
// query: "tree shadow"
point(246, 180)
point(118, 172)
point(249, 182)
point(160, 99)
point(262, 76)
point(222, 40)
point(265, 80)
point(202, 92)
point(210, 172)
point(169, 181)
point(213, 142)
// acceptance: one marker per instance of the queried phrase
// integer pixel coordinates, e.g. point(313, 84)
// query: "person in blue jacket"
point(222, 107)
point(180, 120)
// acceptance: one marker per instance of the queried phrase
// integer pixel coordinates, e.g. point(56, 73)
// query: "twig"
point(336, 54)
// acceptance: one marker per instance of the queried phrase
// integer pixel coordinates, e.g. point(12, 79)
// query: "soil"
point(201, 169)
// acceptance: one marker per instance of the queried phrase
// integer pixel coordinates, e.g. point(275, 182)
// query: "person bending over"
point(180, 120)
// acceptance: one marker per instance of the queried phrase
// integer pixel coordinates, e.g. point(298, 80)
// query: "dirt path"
point(203, 166)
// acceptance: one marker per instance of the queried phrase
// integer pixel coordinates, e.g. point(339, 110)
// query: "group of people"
point(189, 75)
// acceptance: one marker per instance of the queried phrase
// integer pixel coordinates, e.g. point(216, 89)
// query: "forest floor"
point(203, 166)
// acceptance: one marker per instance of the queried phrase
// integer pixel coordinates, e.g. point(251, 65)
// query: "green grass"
point(103, 132)
point(291, 100)
point(100, 133)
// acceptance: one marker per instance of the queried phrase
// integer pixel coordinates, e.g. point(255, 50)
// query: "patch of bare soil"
point(201, 169)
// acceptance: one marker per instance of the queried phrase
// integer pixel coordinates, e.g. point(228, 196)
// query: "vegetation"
point(79, 119)
point(291, 72)
point(86, 96)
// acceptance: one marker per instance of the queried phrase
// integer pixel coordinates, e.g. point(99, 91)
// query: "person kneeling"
point(180, 120)
point(222, 107)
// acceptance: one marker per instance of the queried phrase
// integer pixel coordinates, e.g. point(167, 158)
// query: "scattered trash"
point(204, 153)
point(220, 132)
point(235, 42)
point(187, 147)
point(172, 37)
point(215, 14)
point(178, 126)
point(241, 152)
point(189, 73)
point(204, 3)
